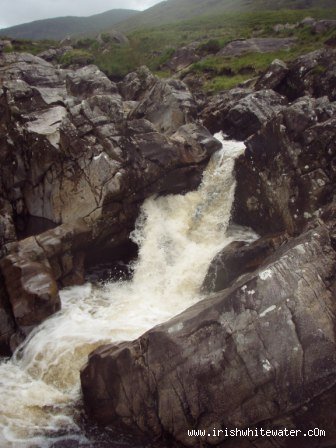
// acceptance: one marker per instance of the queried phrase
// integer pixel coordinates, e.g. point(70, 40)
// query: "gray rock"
point(323, 26)
point(241, 112)
point(53, 54)
point(113, 36)
point(168, 105)
point(274, 75)
point(34, 268)
point(136, 84)
point(237, 259)
point(287, 173)
point(311, 74)
point(220, 364)
point(183, 57)
point(257, 45)
point(88, 81)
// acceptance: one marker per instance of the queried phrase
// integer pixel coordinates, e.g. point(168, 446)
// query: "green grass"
point(27, 46)
point(79, 57)
point(219, 83)
point(154, 46)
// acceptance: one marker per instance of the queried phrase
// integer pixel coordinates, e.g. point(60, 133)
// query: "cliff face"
point(79, 156)
point(260, 351)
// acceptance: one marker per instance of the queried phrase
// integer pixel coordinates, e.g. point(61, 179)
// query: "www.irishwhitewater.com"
point(257, 432)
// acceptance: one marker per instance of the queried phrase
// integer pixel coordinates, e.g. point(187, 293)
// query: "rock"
point(168, 105)
point(7, 323)
point(323, 26)
point(88, 81)
point(219, 364)
point(308, 21)
point(198, 140)
point(257, 45)
point(288, 171)
point(279, 27)
point(274, 75)
point(241, 112)
point(30, 284)
point(136, 84)
point(311, 74)
point(35, 267)
point(53, 54)
point(238, 258)
point(7, 228)
point(113, 36)
point(183, 57)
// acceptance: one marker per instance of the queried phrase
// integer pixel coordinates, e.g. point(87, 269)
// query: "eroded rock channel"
point(228, 319)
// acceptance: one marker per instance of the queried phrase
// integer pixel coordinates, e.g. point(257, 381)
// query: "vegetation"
point(155, 46)
point(76, 57)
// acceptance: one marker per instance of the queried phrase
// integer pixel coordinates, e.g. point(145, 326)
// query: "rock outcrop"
point(288, 171)
point(257, 45)
point(220, 364)
point(241, 112)
point(33, 271)
point(73, 148)
point(237, 259)
point(311, 74)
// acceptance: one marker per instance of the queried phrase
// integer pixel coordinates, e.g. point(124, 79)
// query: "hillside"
point(177, 10)
point(61, 27)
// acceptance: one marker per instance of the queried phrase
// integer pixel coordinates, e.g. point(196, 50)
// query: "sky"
point(14, 12)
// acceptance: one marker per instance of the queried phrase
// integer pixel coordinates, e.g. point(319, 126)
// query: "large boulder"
point(260, 353)
point(135, 85)
point(288, 171)
point(238, 258)
point(168, 105)
point(32, 272)
point(183, 57)
point(241, 112)
point(274, 75)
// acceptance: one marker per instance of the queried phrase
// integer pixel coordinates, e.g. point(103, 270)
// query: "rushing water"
point(177, 235)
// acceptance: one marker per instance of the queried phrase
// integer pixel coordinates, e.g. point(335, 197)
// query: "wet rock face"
point(7, 323)
point(288, 171)
point(31, 274)
point(219, 363)
point(237, 259)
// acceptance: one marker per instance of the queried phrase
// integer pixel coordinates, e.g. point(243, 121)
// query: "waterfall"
point(178, 236)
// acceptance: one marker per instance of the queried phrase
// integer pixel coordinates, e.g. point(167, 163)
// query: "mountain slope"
point(61, 27)
point(175, 10)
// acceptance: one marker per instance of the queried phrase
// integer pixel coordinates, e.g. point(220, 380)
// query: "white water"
point(178, 236)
